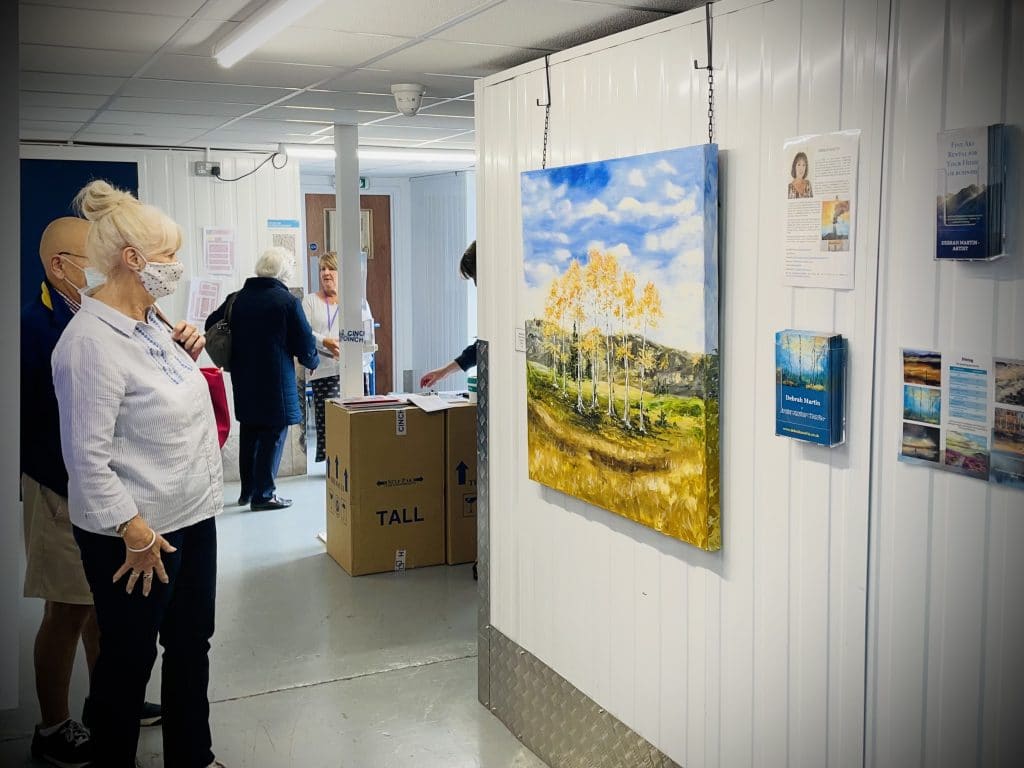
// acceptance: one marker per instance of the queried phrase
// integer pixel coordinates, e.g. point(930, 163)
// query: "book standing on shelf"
point(810, 386)
point(970, 205)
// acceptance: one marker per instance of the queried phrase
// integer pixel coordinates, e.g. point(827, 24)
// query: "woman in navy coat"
point(268, 330)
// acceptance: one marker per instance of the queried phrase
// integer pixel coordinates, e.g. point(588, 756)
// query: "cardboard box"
point(460, 484)
point(385, 488)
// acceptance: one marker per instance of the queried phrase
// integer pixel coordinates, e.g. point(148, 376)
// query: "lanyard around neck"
point(330, 317)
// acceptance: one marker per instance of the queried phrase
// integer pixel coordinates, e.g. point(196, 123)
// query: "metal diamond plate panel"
point(561, 725)
point(483, 530)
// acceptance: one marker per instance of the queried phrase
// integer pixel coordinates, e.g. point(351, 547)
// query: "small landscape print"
point(835, 225)
point(1007, 469)
point(1008, 432)
point(920, 442)
point(922, 404)
point(920, 367)
point(967, 454)
point(1010, 382)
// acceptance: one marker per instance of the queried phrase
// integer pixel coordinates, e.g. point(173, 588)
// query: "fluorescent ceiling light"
point(259, 28)
point(397, 154)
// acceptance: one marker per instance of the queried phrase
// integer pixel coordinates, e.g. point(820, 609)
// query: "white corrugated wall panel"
point(947, 621)
point(441, 230)
point(754, 655)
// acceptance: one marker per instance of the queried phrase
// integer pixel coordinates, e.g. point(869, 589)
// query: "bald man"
point(54, 572)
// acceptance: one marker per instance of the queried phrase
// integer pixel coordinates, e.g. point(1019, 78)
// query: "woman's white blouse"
point(136, 424)
point(325, 321)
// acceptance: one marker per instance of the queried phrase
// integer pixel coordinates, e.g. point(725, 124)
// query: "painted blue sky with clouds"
point(650, 211)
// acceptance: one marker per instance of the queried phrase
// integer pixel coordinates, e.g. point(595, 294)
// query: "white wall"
point(753, 655)
point(946, 681)
point(441, 221)
point(11, 557)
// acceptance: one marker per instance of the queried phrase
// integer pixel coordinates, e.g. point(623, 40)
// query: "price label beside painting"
point(964, 413)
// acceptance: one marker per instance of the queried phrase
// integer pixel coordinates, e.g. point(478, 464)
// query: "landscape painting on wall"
point(622, 352)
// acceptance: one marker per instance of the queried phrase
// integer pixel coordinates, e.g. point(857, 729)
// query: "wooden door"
point(378, 269)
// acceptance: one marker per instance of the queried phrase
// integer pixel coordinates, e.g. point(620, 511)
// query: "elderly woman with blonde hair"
point(322, 310)
point(144, 481)
point(268, 330)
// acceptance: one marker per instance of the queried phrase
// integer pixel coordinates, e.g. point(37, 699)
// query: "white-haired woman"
point(140, 443)
point(268, 330)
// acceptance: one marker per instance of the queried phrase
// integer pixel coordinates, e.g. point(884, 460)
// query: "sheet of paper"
point(203, 298)
point(219, 250)
point(431, 403)
point(819, 181)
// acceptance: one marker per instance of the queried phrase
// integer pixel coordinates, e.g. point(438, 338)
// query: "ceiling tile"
point(230, 10)
point(56, 114)
point(374, 132)
point(145, 119)
point(427, 120)
point(181, 8)
point(62, 83)
point(555, 24)
point(181, 107)
point(446, 57)
point(247, 72)
point(344, 100)
point(387, 17)
point(64, 100)
point(177, 89)
point(324, 47)
point(80, 61)
point(76, 28)
point(316, 118)
point(665, 6)
point(380, 81)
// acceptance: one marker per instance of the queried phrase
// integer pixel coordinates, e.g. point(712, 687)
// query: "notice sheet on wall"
point(203, 298)
point(219, 250)
point(821, 209)
point(964, 413)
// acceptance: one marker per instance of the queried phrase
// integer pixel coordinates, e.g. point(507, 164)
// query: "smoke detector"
point(408, 97)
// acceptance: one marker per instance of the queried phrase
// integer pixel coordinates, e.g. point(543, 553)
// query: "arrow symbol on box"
point(461, 469)
point(346, 479)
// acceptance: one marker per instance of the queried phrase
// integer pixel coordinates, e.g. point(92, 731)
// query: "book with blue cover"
point(810, 386)
point(970, 204)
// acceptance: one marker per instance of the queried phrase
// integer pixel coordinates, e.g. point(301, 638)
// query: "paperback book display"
point(970, 205)
point(810, 386)
point(964, 414)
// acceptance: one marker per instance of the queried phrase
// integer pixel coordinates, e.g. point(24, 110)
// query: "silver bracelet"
point(145, 548)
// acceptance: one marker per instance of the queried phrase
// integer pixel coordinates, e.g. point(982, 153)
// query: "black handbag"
point(218, 337)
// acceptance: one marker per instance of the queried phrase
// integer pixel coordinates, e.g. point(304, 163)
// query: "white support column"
point(352, 290)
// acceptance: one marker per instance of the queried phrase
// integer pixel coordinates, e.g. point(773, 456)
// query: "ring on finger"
point(147, 575)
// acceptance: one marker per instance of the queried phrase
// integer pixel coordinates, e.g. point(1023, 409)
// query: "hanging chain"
point(711, 105)
point(547, 110)
point(547, 125)
point(711, 77)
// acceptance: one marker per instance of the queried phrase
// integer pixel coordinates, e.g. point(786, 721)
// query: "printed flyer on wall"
point(219, 250)
point(821, 209)
point(964, 413)
point(971, 199)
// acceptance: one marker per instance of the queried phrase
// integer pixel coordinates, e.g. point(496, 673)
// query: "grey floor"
point(311, 667)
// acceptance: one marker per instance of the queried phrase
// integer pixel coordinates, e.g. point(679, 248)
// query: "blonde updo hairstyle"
point(119, 221)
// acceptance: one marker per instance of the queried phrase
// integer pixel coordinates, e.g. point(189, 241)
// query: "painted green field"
point(664, 476)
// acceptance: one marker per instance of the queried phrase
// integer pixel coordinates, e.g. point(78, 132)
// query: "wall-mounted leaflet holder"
point(970, 222)
point(810, 387)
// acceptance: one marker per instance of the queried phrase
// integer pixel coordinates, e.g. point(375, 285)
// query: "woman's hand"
point(143, 564)
point(190, 338)
point(333, 346)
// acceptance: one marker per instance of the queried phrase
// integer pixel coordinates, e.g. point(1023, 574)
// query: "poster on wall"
point(203, 298)
point(286, 233)
point(964, 413)
point(820, 183)
point(970, 204)
point(621, 271)
point(219, 250)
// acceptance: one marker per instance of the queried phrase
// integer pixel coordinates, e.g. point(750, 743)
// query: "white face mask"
point(161, 279)
point(93, 277)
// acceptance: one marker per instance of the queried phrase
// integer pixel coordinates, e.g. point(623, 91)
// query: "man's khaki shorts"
point(54, 570)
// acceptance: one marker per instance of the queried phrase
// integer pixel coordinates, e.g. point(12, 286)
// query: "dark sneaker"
point(243, 500)
point(274, 502)
point(151, 714)
point(67, 747)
